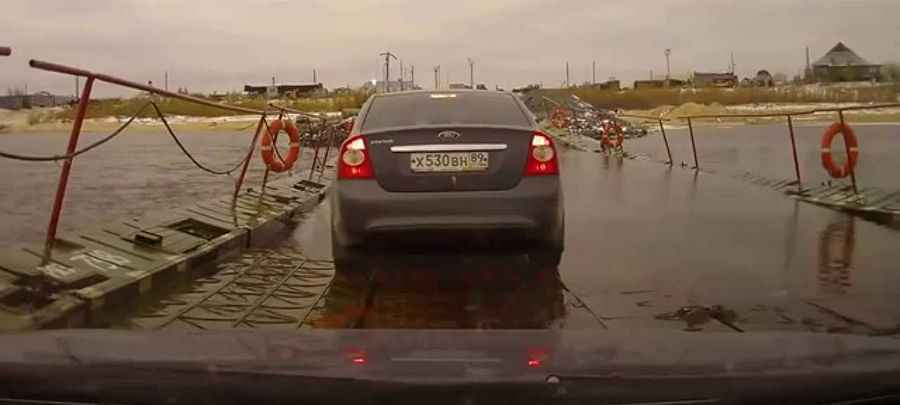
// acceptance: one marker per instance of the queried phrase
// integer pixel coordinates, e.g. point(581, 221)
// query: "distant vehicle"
point(447, 166)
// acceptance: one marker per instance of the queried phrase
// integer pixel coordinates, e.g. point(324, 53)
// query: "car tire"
point(546, 258)
point(346, 257)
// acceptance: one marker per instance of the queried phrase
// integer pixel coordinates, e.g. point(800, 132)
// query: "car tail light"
point(536, 358)
point(354, 161)
point(542, 158)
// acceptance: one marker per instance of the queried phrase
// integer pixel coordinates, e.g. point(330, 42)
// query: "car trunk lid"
point(393, 153)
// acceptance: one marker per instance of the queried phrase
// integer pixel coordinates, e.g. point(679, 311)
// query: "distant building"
point(394, 86)
point(653, 84)
point(40, 99)
point(841, 64)
point(459, 86)
point(649, 84)
point(714, 79)
point(285, 90)
point(342, 90)
point(763, 79)
point(607, 85)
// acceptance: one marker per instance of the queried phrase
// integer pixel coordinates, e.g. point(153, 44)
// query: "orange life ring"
point(607, 140)
point(852, 148)
point(267, 147)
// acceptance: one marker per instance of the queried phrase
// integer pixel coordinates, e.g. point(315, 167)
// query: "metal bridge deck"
point(648, 246)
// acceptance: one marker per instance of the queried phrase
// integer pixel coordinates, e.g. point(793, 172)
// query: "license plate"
point(448, 162)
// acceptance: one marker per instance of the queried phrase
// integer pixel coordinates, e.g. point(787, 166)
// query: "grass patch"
point(38, 117)
point(645, 99)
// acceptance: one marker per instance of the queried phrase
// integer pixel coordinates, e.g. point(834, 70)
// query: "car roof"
point(443, 91)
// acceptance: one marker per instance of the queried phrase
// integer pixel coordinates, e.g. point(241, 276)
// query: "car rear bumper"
point(530, 211)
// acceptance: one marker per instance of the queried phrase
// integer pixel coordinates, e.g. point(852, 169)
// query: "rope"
point(56, 158)
point(189, 155)
point(117, 132)
point(274, 147)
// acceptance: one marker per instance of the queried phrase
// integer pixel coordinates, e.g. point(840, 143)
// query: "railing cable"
point(188, 153)
point(55, 158)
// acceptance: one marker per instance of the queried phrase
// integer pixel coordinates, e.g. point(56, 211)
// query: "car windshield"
point(458, 108)
point(317, 201)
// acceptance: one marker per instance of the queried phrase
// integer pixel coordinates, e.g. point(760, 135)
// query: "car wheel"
point(346, 257)
point(546, 258)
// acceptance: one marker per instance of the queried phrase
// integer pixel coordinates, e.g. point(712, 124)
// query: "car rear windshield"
point(463, 108)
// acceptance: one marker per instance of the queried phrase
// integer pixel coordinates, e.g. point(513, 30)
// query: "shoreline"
point(16, 122)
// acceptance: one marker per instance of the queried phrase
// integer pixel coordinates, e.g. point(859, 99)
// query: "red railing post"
point(274, 140)
point(316, 153)
point(847, 150)
point(790, 123)
point(331, 134)
point(662, 129)
point(240, 181)
point(67, 166)
point(693, 145)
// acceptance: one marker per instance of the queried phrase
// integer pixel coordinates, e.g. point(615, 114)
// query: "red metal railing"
point(5, 51)
point(790, 126)
point(81, 110)
point(332, 134)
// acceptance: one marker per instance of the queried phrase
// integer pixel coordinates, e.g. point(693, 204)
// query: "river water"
point(128, 176)
point(765, 150)
point(138, 172)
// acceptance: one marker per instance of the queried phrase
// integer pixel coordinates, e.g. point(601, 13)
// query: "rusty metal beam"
point(662, 130)
point(794, 150)
point(67, 167)
point(298, 112)
point(54, 67)
point(847, 150)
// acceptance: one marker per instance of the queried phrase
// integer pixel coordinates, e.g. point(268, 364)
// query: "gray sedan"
point(450, 168)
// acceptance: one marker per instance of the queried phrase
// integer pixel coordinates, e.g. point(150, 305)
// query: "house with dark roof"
point(285, 90)
point(841, 64)
point(714, 79)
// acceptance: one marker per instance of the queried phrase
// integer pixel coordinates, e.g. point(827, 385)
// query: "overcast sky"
point(209, 45)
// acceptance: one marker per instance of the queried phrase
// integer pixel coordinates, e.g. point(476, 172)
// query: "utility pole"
point(166, 82)
point(471, 73)
point(567, 75)
point(401, 75)
point(437, 73)
point(387, 70)
point(315, 76)
point(668, 67)
point(594, 72)
point(732, 63)
point(76, 88)
point(412, 76)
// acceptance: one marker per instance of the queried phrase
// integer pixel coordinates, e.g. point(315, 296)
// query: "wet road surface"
point(646, 246)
